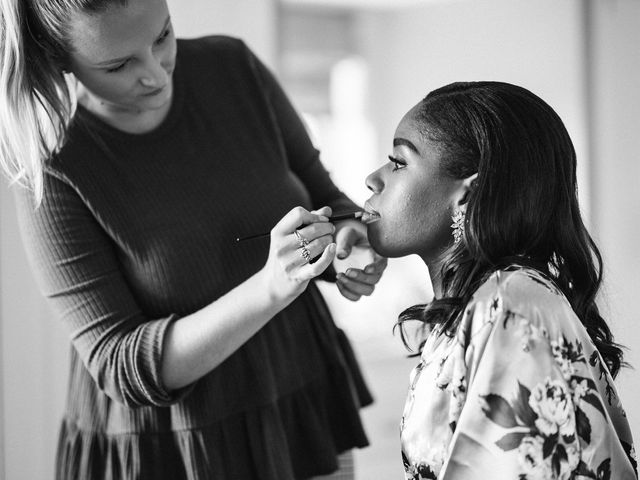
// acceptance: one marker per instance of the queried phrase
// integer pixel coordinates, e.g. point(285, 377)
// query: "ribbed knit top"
point(136, 231)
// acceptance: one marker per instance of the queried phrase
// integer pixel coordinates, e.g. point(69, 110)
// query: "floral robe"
point(520, 392)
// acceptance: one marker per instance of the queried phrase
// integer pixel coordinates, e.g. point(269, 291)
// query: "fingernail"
point(332, 248)
point(351, 273)
point(368, 269)
point(342, 255)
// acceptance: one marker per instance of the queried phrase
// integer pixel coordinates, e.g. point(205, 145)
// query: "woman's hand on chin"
point(356, 282)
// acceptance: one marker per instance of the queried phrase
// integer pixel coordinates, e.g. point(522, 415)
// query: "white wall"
point(538, 45)
point(615, 176)
point(34, 359)
point(252, 20)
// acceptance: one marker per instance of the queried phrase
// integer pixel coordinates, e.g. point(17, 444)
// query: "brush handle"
point(333, 218)
point(346, 216)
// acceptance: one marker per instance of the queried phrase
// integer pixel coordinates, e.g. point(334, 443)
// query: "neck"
point(129, 120)
point(434, 268)
point(434, 260)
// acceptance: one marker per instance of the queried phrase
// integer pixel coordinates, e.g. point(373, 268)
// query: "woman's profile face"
point(413, 196)
point(125, 55)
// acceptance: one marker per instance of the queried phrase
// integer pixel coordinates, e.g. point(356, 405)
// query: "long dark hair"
point(524, 207)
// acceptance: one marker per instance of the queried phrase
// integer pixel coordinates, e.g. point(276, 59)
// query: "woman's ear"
point(468, 186)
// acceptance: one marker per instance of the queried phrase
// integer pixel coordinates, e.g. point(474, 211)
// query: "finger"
point(345, 292)
point(312, 270)
point(315, 248)
point(295, 218)
point(324, 211)
point(345, 240)
point(317, 230)
point(356, 285)
point(362, 276)
point(378, 266)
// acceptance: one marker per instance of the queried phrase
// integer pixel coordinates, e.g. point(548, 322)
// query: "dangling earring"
point(457, 226)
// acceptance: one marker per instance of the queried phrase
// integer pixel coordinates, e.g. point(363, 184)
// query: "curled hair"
point(37, 99)
point(524, 207)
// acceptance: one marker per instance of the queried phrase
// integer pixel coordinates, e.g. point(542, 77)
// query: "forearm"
point(302, 156)
point(196, 344)
point(134, 358)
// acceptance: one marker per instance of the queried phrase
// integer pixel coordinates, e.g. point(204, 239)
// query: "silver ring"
point(303, 242)
point(305, 254)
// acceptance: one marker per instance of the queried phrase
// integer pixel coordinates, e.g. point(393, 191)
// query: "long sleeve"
point(139, 230)
point(523, 394)
point(77, 270)
point(304, 159)
point(302, 156)
point(534, 407)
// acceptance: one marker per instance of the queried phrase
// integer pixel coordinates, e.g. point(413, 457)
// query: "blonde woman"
point(137, 160)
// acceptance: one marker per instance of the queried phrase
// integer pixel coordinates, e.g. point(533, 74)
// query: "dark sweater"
point(138, 230)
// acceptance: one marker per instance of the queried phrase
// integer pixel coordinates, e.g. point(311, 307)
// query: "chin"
point(156, 102)
point(155, 106)
point(381, 245)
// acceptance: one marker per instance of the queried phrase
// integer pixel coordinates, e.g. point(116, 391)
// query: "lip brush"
point(333, 218)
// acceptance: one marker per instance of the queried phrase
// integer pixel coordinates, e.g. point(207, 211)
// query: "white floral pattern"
point(520, 392)
point(531, 459)
point(552, 404)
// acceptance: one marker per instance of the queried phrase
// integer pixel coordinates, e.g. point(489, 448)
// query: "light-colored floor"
point(383, 359)
point(387, 378)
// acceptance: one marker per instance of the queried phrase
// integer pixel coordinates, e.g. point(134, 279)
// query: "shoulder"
point(522, 294)
point(221, 45)
point(77, 153)
point(217, 62)
point(520, 290)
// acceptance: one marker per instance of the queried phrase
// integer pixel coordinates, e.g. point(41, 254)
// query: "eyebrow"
point(398, 141)
point(122, 59)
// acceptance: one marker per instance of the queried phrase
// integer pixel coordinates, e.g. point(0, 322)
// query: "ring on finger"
point(304, 251)
point(303, 242)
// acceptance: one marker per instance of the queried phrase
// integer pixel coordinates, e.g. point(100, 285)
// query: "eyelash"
point(398, 164)
point(164, 36)
point(118, 68)
point(159, 41)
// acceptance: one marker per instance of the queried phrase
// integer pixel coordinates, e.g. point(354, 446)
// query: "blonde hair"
point(37, 99)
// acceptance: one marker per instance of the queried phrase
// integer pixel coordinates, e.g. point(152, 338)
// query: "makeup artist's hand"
point(287, 271)
point(356, 282)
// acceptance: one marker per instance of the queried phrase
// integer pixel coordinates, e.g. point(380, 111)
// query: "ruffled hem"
point(297, 437)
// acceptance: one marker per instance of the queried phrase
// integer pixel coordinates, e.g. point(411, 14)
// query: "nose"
point(374, 181)
point(154, 74)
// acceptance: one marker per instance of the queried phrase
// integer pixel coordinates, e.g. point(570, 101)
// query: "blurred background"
point(353, 68)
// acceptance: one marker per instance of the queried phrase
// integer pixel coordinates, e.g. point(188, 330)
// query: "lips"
point(370, 215)
point(153, 92)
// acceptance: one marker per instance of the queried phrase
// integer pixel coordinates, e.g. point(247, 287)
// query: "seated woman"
point(517, 364)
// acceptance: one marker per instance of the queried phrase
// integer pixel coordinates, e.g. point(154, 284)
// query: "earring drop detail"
point(457, 226)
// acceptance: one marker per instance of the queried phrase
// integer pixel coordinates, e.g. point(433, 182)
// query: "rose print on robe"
point(555, 421)
point(546, 429)
point(518, 391)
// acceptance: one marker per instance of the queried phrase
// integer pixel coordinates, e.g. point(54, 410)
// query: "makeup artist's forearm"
point(196, 344)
